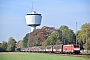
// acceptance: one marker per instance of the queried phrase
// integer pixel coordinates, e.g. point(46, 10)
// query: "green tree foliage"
point(3, 46)
point(25, 40)
point(10, 48)
point(37, 43)
point(67, 35)
point(11, 44)
point(81, 36)
point(19, 44)
point(31, 41)
point(53, 38)
point(58, 42)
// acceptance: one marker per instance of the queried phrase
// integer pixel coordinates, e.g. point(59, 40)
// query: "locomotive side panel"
point(68, 48)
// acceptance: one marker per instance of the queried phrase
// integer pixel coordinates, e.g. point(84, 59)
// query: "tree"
point(53, 38)
point(31, 41)
point(19, 44)
point(11, 44)
point(81, 36)
point(50, 41)
point(3, 46)
point(39, 36)
point(10, 48)
point(58, 42)
point(67, 35)
point(25, 40)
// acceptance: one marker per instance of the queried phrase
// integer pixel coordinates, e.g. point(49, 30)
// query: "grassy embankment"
point(38, 56)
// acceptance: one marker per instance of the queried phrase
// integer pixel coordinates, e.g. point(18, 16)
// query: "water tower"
point(33, 19)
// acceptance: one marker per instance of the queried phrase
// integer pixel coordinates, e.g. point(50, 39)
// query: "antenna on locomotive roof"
point(32, 7)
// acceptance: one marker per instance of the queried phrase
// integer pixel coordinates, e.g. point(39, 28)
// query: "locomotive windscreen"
point(76, 46)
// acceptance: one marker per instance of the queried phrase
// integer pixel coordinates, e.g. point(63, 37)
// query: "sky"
point(55, 13)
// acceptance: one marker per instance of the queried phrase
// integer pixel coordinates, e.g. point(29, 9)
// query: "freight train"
point(71, 48)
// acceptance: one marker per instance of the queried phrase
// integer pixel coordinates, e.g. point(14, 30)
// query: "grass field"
point(37, 56)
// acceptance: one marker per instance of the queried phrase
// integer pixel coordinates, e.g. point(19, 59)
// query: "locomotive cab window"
point(76, 46)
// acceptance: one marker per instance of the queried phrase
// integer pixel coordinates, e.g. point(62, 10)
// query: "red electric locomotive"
point(72, 48)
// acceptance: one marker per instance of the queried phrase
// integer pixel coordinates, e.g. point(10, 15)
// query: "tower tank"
point(33, 19)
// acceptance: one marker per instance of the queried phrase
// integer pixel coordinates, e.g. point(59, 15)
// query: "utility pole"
point(76, 33)
point(64, 41)
point(86, 42)
point(62, 37)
